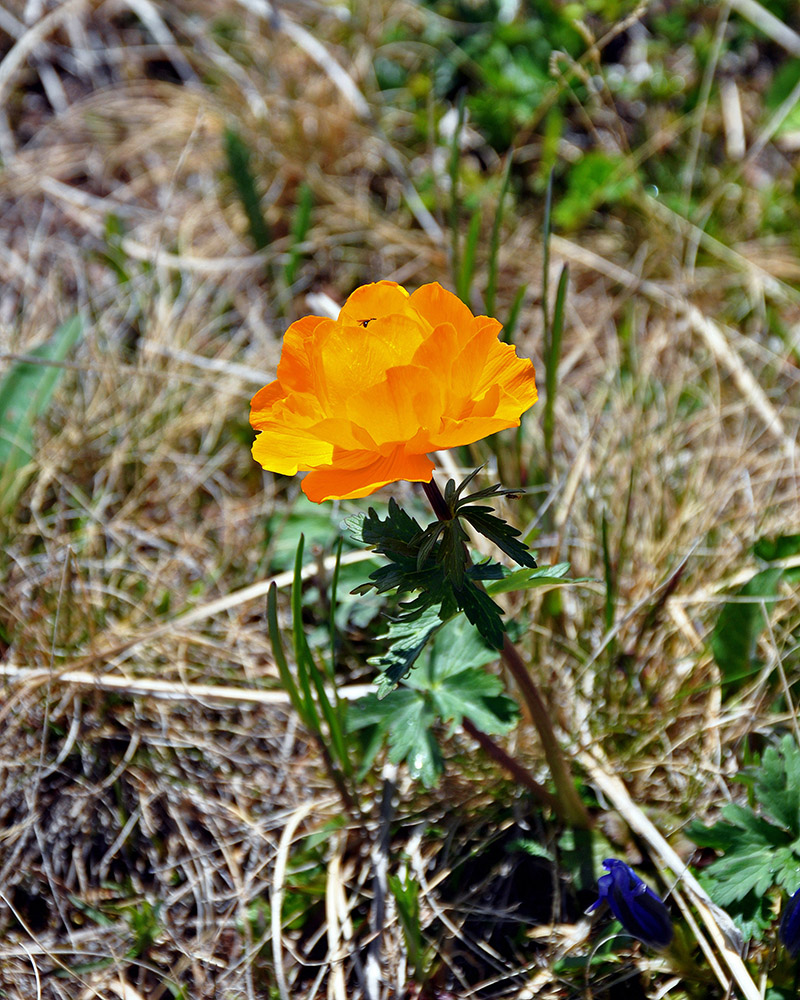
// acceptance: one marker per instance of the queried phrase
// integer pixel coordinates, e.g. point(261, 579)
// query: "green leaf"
point(457, 647)
point(393, 533)
point(406, 895)
point(406, 641)
point(552, 356)
point(746, 870)
point(434, 564)
point(467, 268)
point(781, 547)
point(494, 239)
point(287, 679)
point(405, 720)
point(484, 614)
point(500, 532)
point(741, 621)
point(311, 520)
point(311, 676)
point(303, 659)
point(532, 847)
point(478, 696)
point(752, 915)
point(510, 325)
point(745, 819)
point(528, 579)
point(450, 685)
point(25, 394)
point(777, 784)
point(596, 179)
point(784, 81)
point(755, 854)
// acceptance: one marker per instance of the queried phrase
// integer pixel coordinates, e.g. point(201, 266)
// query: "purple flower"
point(637, 907)
point(789, 929)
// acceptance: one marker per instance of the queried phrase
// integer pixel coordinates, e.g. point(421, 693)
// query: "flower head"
point(360, 400)
point(634, 904)
point(789, 929)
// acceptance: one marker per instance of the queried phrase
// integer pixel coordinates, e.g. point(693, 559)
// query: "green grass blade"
point(285, 673)
point(468, 261)
point(300, 226)
point(494, 241)
point(312, 681)
point(302, 653)
point(513, 315)
point(548, 207)
point(238, 155)
point(406, 896)
point(608, 573)
point(333, 591)
point(25, 394)
point(455, 207)
point(552, 356)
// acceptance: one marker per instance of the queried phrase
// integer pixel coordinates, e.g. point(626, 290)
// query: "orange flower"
point(360, 400)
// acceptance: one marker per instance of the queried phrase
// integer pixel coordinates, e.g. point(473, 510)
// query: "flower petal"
point(789, 928)
point(338, 482)
point(289, 449)
point(370, 302)
point(634, 904)
point(405, 404)
point(356, 358)
point(438, 305)
point(300, 344)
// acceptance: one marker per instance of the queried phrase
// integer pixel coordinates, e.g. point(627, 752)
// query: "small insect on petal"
point(634, 904)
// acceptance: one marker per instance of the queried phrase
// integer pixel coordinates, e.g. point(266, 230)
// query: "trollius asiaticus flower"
point(359, 401)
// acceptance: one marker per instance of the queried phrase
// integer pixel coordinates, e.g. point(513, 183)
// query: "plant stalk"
point(571, 807)
point(567, 802)
point(513, 766)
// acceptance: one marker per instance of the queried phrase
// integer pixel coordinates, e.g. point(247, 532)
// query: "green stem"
point(568, 803)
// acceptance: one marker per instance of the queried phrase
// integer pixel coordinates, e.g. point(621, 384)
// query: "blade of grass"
point(406, 896)
point(548, 205)
point(25, 394)
point(301, 651)
point(333, 592)
point(552, 355)
point(608, 574)
point(455, 158)
point(311, 676)
point(298, 702)
point(513, 314)
point(494, 240)
point(468, 261)
point(300, 226)
point(238, 155)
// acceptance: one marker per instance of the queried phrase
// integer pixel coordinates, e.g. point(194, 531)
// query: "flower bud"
point(636, 906)
point(789, 930)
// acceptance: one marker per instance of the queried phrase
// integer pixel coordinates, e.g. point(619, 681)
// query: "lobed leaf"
point(449, 687)
point(500, 532)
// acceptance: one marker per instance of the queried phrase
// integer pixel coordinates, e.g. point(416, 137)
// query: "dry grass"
point(144, 830)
